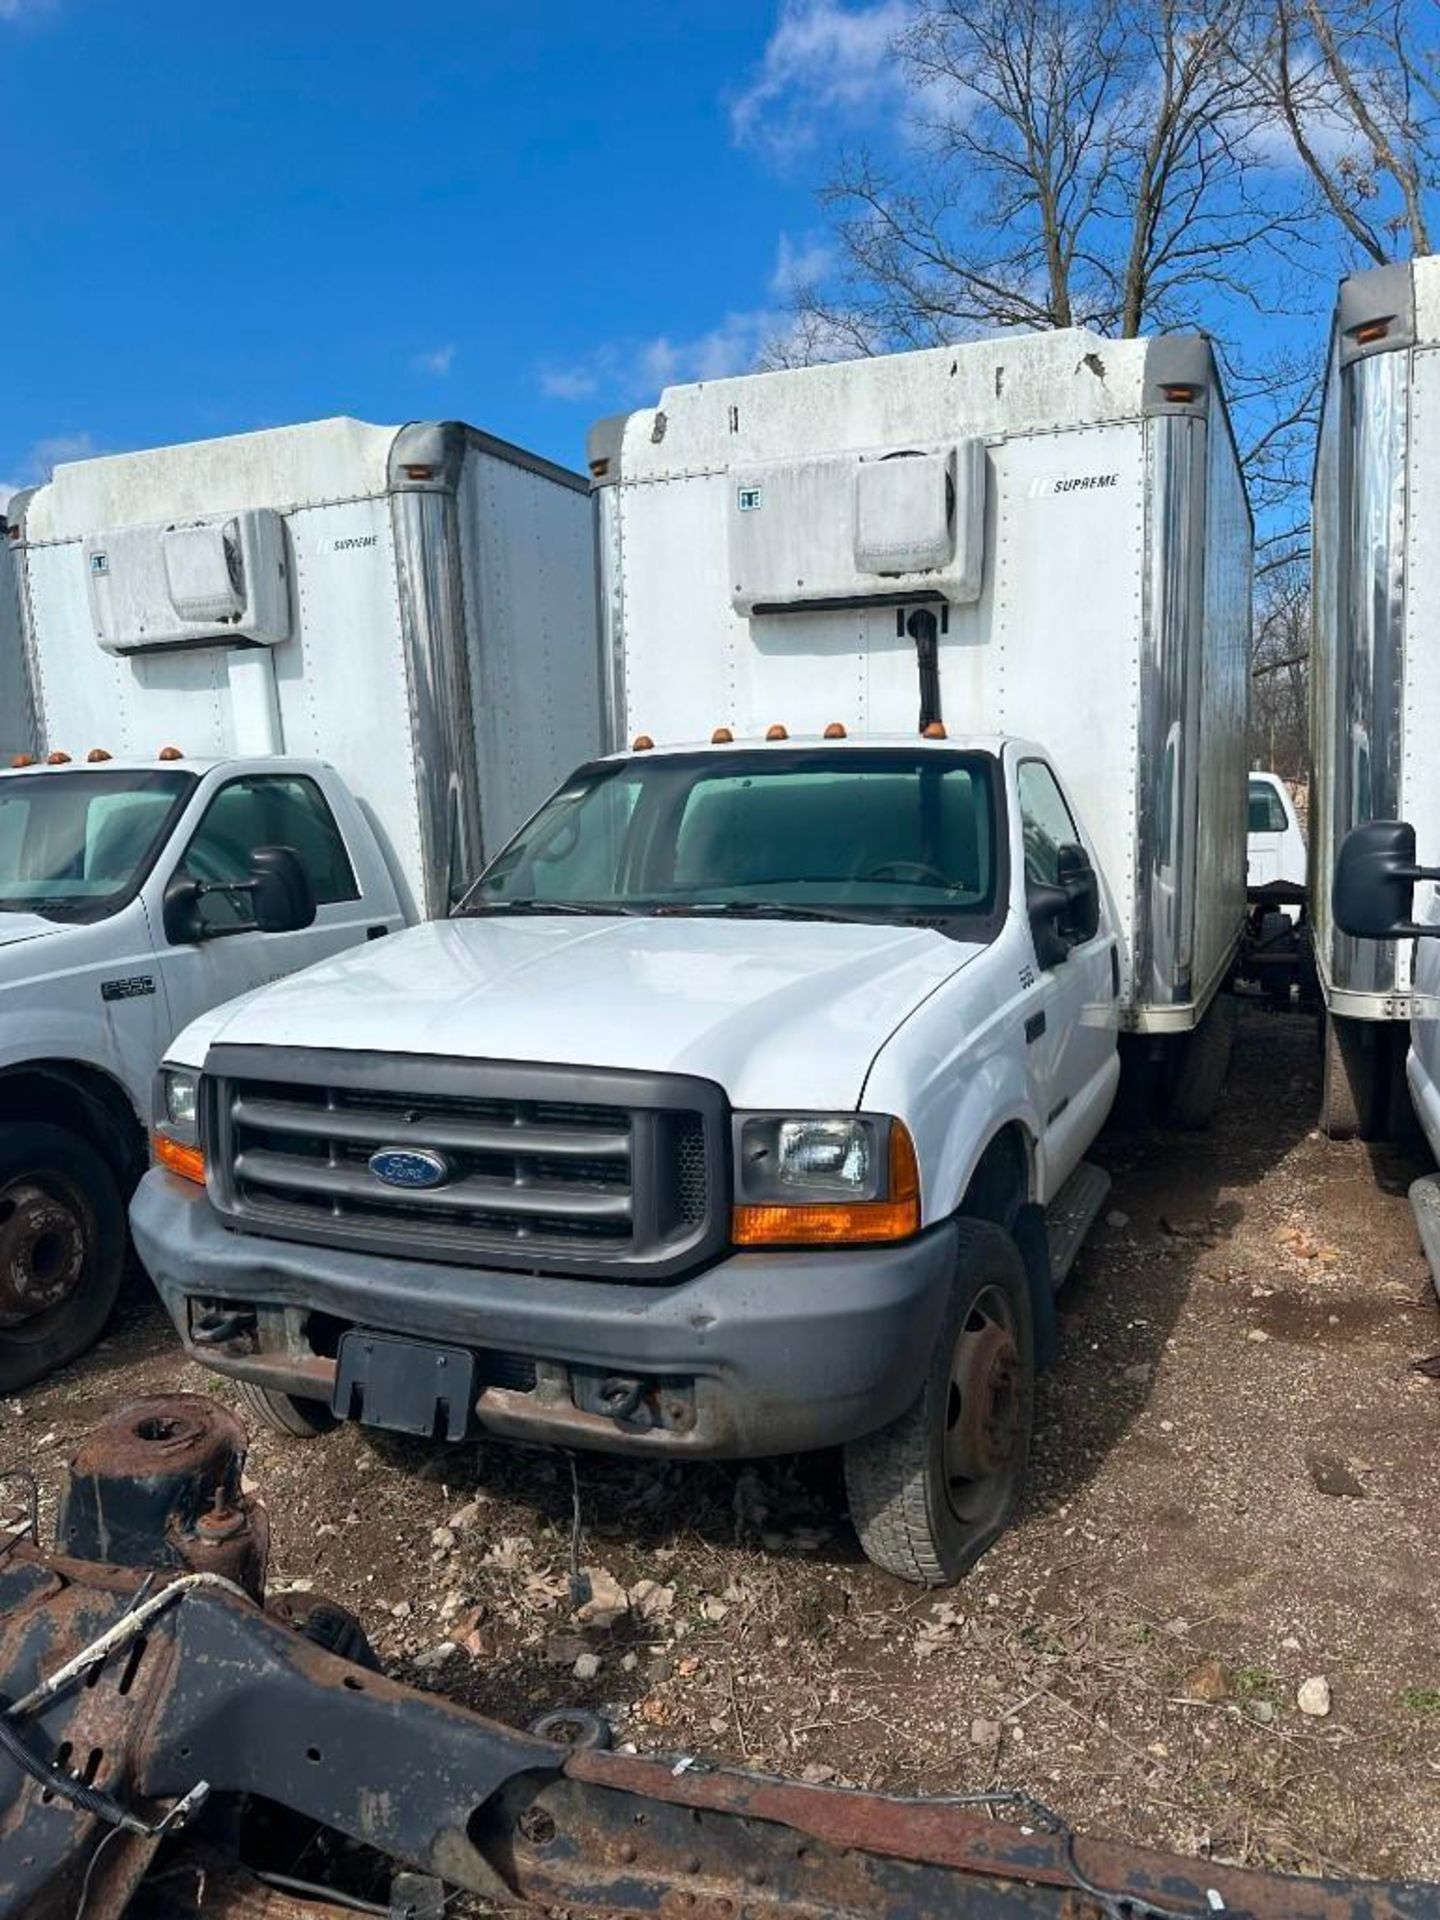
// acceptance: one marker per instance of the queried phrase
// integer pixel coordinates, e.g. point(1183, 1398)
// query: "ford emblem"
point(410, 1167)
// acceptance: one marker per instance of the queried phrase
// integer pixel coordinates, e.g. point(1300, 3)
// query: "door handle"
point(1034, 1028)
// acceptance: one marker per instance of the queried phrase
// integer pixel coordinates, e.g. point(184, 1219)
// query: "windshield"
point(883, 834)
point(76, 845)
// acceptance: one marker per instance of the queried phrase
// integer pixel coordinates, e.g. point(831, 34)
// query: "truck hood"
point(779, 1013)
point(15, 927)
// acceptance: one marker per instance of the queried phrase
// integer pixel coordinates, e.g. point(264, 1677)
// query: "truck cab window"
point(1267, 811)
point(1046, 822)
point(266, 810)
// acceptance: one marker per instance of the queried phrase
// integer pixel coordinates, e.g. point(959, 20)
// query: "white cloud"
point(635, 370)
point(40, 460)
point(436, 360)
point(799, 267)
point(825, 64)
point(568, 383)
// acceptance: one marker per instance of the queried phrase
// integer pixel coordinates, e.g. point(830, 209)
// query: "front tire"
point(284, 1413)
point(62, 1250)
point(932, 1491)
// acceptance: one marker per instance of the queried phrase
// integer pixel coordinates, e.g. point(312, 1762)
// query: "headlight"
point(823, 1179)
point(182, 1102)
point(175, 1141)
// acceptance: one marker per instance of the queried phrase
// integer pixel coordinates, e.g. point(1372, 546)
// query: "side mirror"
point(1082, 890)
point(1375, 875)
point(282, 899)
point(1048, 907)
point(280, 888)
point(1066, 914)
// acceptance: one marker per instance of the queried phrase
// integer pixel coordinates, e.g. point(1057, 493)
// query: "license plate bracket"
point(405, 1386)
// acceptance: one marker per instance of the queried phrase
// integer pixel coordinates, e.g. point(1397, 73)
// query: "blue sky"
point(218, 218)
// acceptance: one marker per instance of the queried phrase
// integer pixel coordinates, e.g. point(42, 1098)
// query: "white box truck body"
point(1375, 670)
point(373, 646)
point(1086, 541)
point(743, 1105)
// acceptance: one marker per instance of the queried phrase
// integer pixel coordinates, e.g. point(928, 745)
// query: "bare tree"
point(1358, 91)
point(1280, 682)
point(1070, 165)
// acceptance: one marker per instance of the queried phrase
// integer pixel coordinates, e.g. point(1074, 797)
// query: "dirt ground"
point(1236, 1490)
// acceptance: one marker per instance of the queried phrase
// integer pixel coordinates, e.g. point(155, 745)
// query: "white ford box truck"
point(742, 1105)
point(273, 696)
point(1375, 665)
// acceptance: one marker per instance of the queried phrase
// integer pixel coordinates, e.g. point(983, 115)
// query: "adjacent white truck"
point(742, 1106)
point(1375, 670)
point(271, 697)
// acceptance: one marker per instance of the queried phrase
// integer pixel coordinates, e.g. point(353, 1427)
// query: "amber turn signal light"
point(188, 1162)
point(854, 1223)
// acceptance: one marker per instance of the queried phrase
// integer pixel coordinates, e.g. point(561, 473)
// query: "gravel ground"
point(1235, 1494)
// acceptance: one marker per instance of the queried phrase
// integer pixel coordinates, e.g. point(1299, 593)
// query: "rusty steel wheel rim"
point(984, 1407)
point(44, 1242)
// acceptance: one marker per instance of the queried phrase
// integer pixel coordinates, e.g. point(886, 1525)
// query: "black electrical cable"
point(88, 1799)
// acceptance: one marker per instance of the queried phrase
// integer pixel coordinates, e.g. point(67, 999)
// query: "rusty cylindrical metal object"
point(159, 1485)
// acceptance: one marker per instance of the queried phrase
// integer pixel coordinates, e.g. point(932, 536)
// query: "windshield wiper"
point(762, 910)
point(543, 906)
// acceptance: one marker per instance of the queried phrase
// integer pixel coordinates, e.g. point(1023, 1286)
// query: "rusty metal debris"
point(271, 1730)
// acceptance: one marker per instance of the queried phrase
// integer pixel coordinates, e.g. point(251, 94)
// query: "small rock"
point(1263, 1711)
point(608, 1600)
point(443, 1538)
point(1332, 1476)
point(465, 1516)
point(1115, 1218)
point(1167, 1426)
point(401, 1610)
point(436, 1656)
point(713, 1608)
point(1313, 1697)
point(564, 1649)
point(657, 1669)
point(985, 1733)
point(1290, 1643)
point(1258, 1335)
point(1210, 1683)
point(587, 1666)
point(1139, 1374)
point(630, 1662)
point(325, 1529)
point(816, 1774)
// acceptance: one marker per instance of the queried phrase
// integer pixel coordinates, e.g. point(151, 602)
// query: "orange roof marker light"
point(1181, 396)
point(170, 753)
point(57, 759)
point(935, 731)
point(835, 730)
point(777, 732)
point(1370, 332)
point(97, 754)
point(721, 737)
point(22, 760)
point(642, 743)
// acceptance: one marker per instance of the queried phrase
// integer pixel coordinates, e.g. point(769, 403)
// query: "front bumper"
point(762, 1353)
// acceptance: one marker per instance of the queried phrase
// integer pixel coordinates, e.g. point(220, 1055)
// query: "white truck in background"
point(742, 1107)
point(270, 697)
point(1375, 667)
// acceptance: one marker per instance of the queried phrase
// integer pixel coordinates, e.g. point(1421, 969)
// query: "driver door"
point(249, 811)
point(1070, 1028)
